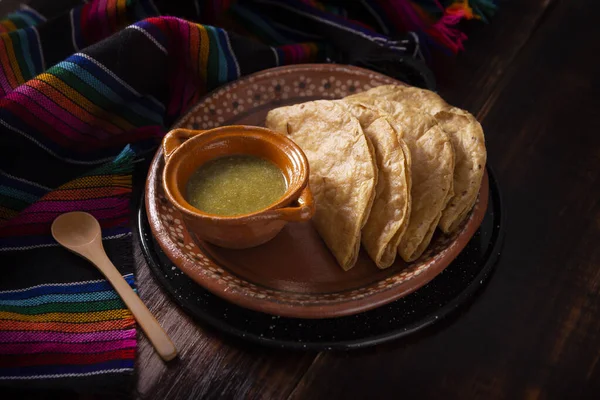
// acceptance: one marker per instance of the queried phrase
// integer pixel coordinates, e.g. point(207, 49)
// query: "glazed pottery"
point(293, 275)
point(185, 150)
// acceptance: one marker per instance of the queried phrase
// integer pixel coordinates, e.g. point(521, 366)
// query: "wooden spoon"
point(80, 232)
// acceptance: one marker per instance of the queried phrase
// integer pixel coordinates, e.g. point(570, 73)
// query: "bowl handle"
point(175, 138)
point(303, 211)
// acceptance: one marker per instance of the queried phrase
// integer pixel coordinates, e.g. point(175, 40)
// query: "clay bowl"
point(293, 275)
point(185, 150)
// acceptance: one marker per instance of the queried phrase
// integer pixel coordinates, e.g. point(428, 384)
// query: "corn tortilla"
point(390, 213)
point(432, 167)
point(343, 173)
point(467, 138)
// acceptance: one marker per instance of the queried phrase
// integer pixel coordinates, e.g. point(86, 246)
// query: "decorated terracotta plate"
point(293, 275)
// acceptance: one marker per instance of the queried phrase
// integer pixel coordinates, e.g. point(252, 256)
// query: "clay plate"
point(294, 275)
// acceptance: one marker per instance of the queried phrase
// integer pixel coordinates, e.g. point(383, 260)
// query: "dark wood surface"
point(531, 77)
point(534, 332)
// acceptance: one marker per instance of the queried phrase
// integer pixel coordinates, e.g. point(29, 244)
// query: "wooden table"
point(531, 77)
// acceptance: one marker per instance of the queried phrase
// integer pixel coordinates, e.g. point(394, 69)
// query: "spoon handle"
point(154, 332)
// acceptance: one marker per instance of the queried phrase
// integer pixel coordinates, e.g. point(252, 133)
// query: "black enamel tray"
point(436, 300)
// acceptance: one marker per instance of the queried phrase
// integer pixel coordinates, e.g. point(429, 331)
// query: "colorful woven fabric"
point(86, 91)
point(80, 326)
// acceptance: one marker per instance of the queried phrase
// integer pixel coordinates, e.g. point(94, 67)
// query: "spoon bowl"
point(75, 229)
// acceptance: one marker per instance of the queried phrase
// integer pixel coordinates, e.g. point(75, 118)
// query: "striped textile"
point(82, 326)
point(86, 91)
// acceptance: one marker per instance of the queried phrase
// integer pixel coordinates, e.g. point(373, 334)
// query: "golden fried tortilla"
point(411, 96)
point(432, 167)
point(343, 173)
point(390, 213)
point(467, 139)
point(469, 145)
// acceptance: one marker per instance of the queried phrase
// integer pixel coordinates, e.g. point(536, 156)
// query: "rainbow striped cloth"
point(87, 90)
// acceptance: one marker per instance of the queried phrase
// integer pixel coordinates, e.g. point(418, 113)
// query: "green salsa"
point(235, 185)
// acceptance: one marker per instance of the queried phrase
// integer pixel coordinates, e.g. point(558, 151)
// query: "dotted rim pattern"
point(291, 84)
